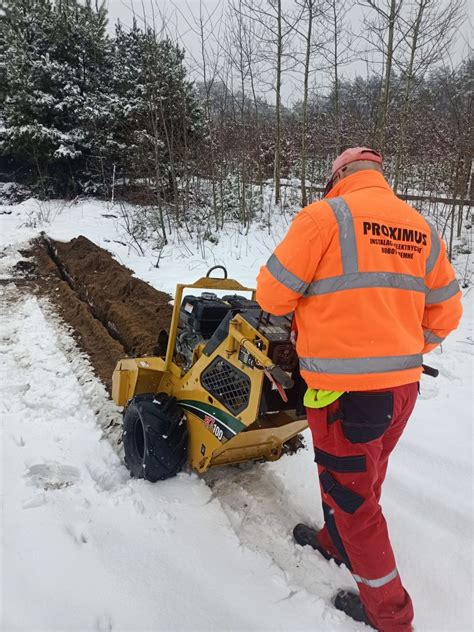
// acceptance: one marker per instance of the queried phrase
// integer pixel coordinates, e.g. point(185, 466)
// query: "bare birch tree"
point(276, 29)
point(313, 42)
point(337, 52)
point(382, 29)
point(428, 31)
point(206, 26)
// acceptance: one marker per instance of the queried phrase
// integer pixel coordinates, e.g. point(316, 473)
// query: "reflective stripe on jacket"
point(370, 284)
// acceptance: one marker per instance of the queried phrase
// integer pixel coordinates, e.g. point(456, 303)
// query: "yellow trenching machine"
point(227, 391)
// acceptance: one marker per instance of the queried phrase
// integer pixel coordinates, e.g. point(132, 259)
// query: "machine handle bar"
point(216, 268)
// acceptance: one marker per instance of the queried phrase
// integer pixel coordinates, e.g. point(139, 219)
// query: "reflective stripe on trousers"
point(378, 582)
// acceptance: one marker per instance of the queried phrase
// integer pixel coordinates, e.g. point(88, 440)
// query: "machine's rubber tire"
point(155, 437)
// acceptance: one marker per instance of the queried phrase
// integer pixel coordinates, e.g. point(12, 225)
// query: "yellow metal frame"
point(251, 438)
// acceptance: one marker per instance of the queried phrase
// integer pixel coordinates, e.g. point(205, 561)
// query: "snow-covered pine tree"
point(84, 55)
point(53, 75)
point(27, 137)
point(127, 105)
point(157, 116)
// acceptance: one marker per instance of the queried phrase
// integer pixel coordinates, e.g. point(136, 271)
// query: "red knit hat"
point(355, 153)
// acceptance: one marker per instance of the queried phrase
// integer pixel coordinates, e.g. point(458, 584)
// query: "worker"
point(372, 290)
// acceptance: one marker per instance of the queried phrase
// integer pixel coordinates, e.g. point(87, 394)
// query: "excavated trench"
point(111, 313)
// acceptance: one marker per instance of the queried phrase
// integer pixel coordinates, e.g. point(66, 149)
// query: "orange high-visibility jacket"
point(370, 284)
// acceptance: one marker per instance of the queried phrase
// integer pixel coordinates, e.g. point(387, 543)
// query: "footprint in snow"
point(108, 477)
point(52, 475)
point(76, 534)
point(37, 501)
point(15, 389)
point(104, 623)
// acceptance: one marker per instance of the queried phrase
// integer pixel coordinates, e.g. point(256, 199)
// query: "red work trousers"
point(353, 438)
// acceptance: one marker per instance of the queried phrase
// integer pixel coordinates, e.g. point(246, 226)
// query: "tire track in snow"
point(95, 520)
point(257, 504)
point(263, 513)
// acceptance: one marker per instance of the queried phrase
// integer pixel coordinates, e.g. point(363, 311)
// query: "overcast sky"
point(180, 16)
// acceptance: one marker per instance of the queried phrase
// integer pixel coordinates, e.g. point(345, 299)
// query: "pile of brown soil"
point(111, 313)
point(131, 310)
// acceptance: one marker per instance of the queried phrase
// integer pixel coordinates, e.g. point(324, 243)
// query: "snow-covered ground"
point(84, 547)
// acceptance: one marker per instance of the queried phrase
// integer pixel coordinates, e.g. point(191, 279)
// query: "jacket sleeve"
point(284, 279)
point(443, 309)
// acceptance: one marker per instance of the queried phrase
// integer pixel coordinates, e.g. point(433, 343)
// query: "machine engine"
point(205, 319)
point(199, 318)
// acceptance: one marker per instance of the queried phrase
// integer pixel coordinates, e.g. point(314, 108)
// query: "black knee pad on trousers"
point(345, 498)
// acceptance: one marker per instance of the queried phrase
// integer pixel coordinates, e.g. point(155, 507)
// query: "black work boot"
point(307, 536)
point(350, 603)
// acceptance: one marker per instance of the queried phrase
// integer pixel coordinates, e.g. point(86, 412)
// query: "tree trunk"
point(277, 165)
point(336, 81)
point(304, 196)
point(406, 110)
point(383, 114)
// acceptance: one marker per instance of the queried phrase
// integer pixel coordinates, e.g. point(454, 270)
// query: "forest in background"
point(83, 112)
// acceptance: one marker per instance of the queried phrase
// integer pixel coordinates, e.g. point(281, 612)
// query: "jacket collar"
point(361, 180)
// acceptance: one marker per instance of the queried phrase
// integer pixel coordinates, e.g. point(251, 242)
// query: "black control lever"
point(429, 370)
point(281, 377)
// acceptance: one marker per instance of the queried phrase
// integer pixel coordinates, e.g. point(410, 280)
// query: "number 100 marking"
point(218, 432)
